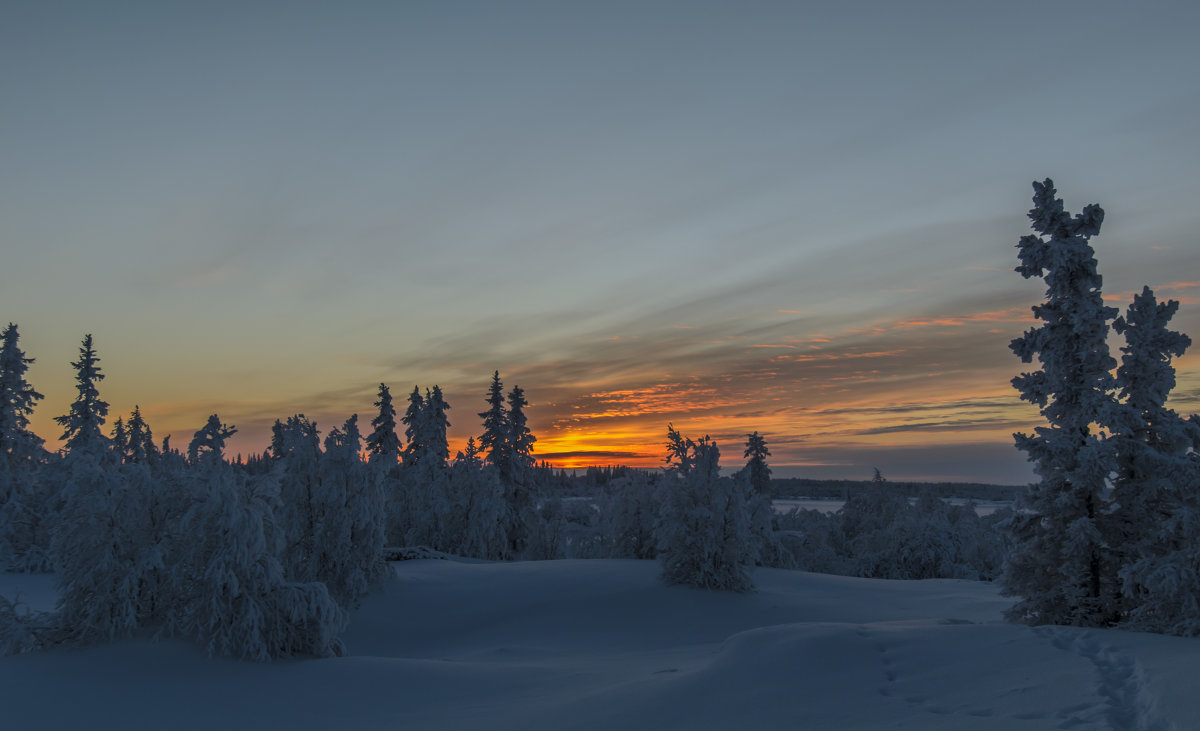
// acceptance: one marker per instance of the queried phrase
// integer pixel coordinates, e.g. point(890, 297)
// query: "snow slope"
point(602, 645)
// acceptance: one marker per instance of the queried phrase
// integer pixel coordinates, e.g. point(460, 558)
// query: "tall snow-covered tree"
point(82, 424)
point(1157, 486)
point(298, 469)
point(382, 442)
point(756, 455)
point(413, 428)
point(26, 498)
point(520, 439)
point(435, 452)
point(493, 443)
point(1060, 565)
point(350, 528)
point(17, 398)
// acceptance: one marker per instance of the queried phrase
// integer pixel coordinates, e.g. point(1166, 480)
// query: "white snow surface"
point(602, 644)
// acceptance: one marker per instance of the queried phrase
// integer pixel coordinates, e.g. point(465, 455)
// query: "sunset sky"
point(795, 218)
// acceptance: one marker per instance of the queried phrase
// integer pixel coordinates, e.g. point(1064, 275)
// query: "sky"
point(792, 218)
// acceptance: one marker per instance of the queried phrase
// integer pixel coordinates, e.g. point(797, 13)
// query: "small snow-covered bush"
point(23, 630)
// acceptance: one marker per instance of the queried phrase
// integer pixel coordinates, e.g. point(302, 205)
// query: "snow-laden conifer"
point(704, 537)
point(478, 490)
point(414, 430)
point(209, 440)
point(520, 438)
point(25, 490)
point(350, 528)
point(302, 505)
point(434, 425)
point(1156, 492)
point(141, 440)
point(1060, 565)
point(629, 516)
point(94, 554)
point(756, 462)
point(232, 595)
point(119, 439)
point(28, 514)
point(493, 443)
point(382, 443)
point(82, 424)
point(516, 472)
point(17, 399)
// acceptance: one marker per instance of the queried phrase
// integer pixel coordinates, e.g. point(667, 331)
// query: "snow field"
point(602, 644)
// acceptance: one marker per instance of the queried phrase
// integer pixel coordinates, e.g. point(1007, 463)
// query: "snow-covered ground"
point(601, 644)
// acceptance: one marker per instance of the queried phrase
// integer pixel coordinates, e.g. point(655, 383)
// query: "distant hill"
point(843, 489)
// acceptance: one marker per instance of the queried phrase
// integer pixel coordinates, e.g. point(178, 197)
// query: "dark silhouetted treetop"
point(17, 397)
point(520, 439)
point(756, 453)
point(382, 442)
point(141, 440)
point(493, 443)
point(209, 441)
point(412, 428)
point(82, 424)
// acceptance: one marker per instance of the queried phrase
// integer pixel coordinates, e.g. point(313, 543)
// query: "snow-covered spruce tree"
point(435, 448)
point(384, 450)
point(629, 516)
point(480, 494)
point(1060, 565)
point(17, 400)
point(430, 509)
point(516, 466)
point(82, 424)
point(520, 439)
point(231, 594)
point(756, 455)
point(382, 443)
point(493, 443)
point(141, 447)
point(413, 428)
point(704, 537)
point(119, 439)
point(24, 493)
point(27, 515)
point(351, 529)
point(298, 469)
point(94, 549)
point(1157, 487)
point(770, 549)
point(99, 554)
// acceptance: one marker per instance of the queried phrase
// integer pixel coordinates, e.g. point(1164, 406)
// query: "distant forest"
point(783, 487)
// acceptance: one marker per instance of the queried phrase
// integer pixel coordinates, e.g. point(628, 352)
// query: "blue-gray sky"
point(792, 217)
